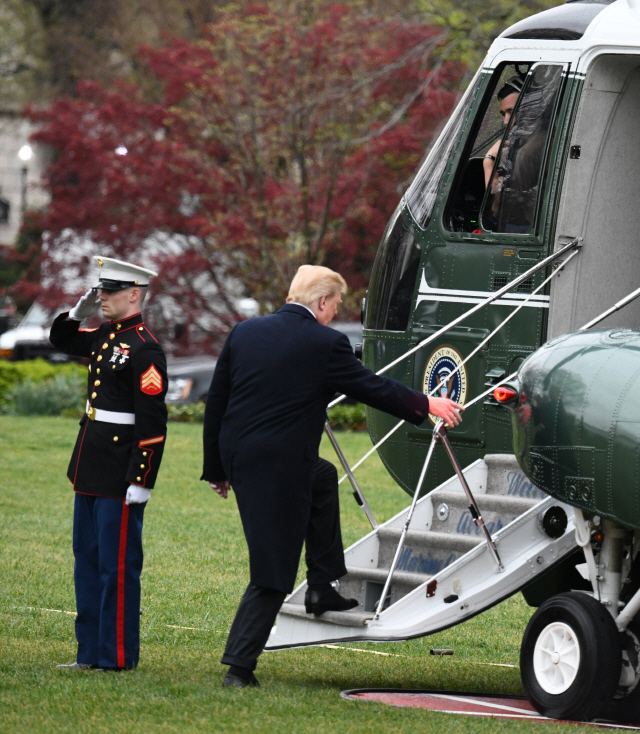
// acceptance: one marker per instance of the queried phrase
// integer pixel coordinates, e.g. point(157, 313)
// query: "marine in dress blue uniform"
point(114, 465)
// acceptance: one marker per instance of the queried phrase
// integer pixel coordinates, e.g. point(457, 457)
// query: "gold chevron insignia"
point(151, 381)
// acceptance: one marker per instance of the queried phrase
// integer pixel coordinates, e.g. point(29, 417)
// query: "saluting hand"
point(86, 306)
point(447, 410)
point(221, 488)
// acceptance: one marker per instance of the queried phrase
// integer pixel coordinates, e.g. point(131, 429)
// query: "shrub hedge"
point(59, 394)
point(192, 413)
point(35, 371)
point(341, 417)
point(37, 387)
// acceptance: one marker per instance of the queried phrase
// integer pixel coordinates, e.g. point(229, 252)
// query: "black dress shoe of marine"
point(240, 678)
point(323, 598)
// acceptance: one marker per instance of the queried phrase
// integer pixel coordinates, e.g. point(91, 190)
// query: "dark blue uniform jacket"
point(264, 419)
point(127, 374)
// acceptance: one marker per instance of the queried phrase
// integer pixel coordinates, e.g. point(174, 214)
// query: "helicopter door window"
point(463, 209)
point(422, 194)
point(516, 180)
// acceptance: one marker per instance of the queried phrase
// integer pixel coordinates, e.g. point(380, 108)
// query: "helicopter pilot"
point(507, 98)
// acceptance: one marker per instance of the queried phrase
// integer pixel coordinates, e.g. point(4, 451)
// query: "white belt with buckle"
point(110, 416)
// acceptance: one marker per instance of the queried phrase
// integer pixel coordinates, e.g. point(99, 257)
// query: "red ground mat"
point(466, 704)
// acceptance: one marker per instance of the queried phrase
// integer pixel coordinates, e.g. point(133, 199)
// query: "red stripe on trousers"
point(124, 523)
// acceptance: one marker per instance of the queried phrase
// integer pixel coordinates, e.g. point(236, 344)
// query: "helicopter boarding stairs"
point(445, 571)
point(456, 551)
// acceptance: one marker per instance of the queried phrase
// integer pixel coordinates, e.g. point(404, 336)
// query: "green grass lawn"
point(194, 574)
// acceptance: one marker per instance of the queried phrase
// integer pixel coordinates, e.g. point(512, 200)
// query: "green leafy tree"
point(472, 25)
point(22, 63)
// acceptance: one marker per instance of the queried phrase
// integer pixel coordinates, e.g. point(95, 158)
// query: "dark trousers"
point(324, 556)
point(107, 546)
point(324, 553)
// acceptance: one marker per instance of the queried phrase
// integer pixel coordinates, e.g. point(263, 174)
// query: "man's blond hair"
point(311, 282)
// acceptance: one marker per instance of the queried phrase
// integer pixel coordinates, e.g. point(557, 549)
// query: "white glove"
point(137, 495)
point(86, 306)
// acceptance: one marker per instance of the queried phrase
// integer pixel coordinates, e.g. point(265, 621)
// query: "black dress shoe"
point(324, 598)
point(240, 682)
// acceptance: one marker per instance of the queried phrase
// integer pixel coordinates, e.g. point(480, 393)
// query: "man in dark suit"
point(263, 423)
point(115, 461)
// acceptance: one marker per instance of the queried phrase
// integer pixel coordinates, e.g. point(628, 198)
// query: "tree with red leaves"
point(276, 143)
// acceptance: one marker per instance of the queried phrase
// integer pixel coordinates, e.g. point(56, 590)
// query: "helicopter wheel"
point(570, 658)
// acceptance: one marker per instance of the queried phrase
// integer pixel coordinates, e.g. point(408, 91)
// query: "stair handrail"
point(464, 361)
point(575, 243)
point(357, 492)
point(439, 431)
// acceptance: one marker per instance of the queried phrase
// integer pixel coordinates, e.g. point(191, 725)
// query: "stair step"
point(430, 539)
point(451, 515)
point(423, 552)
point(366, 583)
point(353, 618)
point(486, 502)
point(380, 575)
point(505, 477)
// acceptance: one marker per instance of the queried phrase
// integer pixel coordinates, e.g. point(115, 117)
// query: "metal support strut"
point(423, 473)
point(473, 507)
point(357, 492)
point(439, 432)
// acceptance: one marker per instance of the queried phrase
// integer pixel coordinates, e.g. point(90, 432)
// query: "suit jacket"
point(263, 422)
point(273, 381)
point(127, 374)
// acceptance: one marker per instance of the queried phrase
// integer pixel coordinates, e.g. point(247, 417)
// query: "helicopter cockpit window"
point(393, 278)
point(517, 177)
point(498, 186)
point(421, 196)
point(463, 209)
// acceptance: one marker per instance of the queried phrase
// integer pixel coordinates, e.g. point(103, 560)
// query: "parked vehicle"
point(189, 379)
point(353, 331)
point(30, 339)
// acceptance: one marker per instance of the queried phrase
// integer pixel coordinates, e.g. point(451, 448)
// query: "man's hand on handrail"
point(447, 410)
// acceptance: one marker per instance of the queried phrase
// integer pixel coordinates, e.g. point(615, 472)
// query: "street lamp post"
point(25, 154)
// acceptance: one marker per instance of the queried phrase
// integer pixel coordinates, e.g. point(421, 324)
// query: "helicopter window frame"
point(543, 167)
point(472, 146)
point(422, 194)
point(469, 160)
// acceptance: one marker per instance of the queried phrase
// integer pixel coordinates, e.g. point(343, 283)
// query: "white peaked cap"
point(117, 275)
